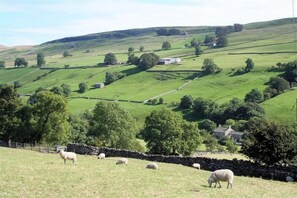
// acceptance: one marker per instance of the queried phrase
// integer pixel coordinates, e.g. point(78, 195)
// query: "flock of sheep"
point(215, 177)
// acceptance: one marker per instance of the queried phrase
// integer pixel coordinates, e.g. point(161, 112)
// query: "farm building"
point(166, 61)
point(228, 132)
point(99, 85)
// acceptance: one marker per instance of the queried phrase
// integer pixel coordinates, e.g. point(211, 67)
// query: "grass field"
point(32, 174)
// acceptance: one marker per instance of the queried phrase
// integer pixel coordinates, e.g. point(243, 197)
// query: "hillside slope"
point(266, 43)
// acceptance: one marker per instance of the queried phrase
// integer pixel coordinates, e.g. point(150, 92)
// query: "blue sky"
point(30, 22)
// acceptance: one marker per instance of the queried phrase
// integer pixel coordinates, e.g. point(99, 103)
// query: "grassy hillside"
point(266, 43)
point(46, 176)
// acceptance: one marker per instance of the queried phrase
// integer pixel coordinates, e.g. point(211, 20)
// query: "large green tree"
point(113, 126)
point(40, 59)
point(166, 132)
point(254, 95)
point(49, 119)
point(9, 105)
point(270, 143)
point(2, 64)
point(148, 60)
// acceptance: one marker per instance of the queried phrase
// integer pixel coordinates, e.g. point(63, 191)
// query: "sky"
point(32, 22)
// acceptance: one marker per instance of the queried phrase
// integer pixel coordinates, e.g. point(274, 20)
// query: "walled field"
point(266, 43)
point(32, 174)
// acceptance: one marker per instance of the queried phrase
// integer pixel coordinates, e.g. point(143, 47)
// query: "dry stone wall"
point(239, 167)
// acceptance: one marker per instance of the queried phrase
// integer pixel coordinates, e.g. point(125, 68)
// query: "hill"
point(46, 176)
point(266, 43)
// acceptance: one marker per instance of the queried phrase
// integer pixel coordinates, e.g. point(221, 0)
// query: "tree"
point(198, 50)
point(270, 144)
point(222, 42)
point(209, 66)
point(110, 59)
point(79, 127)
point(49, 118)
point(66, 54)
point(204, 108)
point(186, 102)
point(166, 132)
point(173, 31)
point(278, 84)
point(290, 71)
point(57, 90)
point(249, 65)
point(231, 147)
point(166, 45)
point(209, 40)
point(113, 126)
point(66, 89)
point(40, 59)
point(17, 84)
point(141, 48)
point(207, 125)
point(148, 60)
point(2, 64)
point(130, 50)
point(20, 62)
point(254, 96)
point(83, 87)
point(132, 59)
point(9, 106)
point(110, 77)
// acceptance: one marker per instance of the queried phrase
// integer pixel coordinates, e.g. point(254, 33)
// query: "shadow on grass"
point(131, 71)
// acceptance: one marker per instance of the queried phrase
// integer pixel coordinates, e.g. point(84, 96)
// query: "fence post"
point(39, 148)
point(48, 149)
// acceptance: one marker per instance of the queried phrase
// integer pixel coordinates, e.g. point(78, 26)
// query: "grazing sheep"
point(101, 156)
point(67, 156)
point(289, 179)
point(152, 165)
point(196, 165)
point(122, 161)
point(221, 175)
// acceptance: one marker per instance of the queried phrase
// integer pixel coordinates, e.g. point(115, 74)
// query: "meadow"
point(32, 174)
point(266, 43)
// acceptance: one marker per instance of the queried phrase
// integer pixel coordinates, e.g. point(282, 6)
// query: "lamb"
point(196, 165)
point(152, 165)
point(101, 156)
point(67, 155)
point(221, 175)
point(122, 161)
point(289, 179)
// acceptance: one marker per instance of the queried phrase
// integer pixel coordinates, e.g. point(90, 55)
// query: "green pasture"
point(32, 174)
point(282, 108)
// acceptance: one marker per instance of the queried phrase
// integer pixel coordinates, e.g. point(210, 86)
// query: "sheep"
point(101, 156)
point(152, 165)
point(67, 155)
point(122, 161)
point(196, 165)
point(289, 179)
point(221, 175)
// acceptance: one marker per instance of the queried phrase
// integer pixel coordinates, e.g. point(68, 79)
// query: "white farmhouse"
point(166, 61)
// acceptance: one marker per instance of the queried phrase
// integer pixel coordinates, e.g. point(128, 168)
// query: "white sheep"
point(101, 156)
point(221, 175)
point(122, 161)
point(152, 165)
point(67, 156)
point(289, 179)
point(196, 165)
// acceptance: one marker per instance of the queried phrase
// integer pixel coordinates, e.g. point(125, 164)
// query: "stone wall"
point(239, 167)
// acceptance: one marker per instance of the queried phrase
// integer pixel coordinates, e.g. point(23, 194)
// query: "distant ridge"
point(120, 34)
point(271, 23)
